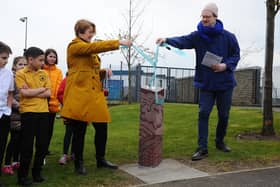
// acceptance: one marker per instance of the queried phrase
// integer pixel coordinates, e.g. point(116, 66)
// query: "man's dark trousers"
point(206, 102)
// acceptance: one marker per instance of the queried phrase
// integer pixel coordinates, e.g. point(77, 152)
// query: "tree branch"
point(277, 6)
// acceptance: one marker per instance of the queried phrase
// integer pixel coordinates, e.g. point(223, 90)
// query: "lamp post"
point(24, 19)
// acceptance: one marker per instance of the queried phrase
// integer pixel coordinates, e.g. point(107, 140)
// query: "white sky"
point(51, 23)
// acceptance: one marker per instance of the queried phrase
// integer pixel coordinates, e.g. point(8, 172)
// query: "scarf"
point(208, 33)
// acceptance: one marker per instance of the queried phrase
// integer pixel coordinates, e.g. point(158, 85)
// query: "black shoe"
point(223, 147)
point(38, 179)
point(24, 182)
point(200, 154)
point(79, 168)
point(105, 164)
point(49, 153)
point(36, 174)
point(81, 171)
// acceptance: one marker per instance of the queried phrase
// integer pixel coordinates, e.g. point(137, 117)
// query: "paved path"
point(168, 170)
point(269, 177)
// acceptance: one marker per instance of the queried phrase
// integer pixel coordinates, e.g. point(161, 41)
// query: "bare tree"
point(272, 7)
point(134, 24)
point(133, 31)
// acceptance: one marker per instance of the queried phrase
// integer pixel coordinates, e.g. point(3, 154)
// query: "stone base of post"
point(151, 128)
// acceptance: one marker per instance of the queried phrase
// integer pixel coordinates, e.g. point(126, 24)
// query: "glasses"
point(206, 17)
point(20, 64)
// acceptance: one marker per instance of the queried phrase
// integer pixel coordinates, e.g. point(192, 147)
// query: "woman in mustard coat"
point(84, 100)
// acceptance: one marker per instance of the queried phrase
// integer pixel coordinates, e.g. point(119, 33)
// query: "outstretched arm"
point(83, 48)
point(181, 42)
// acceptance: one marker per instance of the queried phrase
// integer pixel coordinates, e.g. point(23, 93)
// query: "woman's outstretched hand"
point(127, 43)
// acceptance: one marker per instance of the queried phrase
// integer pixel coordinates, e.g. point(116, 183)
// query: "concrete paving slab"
point(168, 170)
point(266, 177)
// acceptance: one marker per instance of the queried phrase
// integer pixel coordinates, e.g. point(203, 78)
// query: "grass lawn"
point(180, 141)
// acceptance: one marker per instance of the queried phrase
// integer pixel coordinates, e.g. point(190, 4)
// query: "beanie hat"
point(212, 7)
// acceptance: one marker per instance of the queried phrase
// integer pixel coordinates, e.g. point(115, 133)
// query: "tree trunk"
point(129, 55)
point(129, 77)
point(268, 129)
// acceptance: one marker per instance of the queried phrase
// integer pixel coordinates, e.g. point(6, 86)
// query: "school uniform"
point(34, 122)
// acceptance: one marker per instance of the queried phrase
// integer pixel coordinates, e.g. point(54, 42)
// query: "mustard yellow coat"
point(84, 99)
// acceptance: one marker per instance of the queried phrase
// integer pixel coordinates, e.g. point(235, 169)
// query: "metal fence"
point(178, 85)
point(170, 79)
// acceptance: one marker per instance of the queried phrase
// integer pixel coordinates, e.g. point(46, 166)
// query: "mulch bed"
point(256, 136)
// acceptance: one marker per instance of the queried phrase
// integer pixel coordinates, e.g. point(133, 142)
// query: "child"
point(6, 97)
point(34, 87)
point(55, 76)
point(68, 130)
point(13, 146)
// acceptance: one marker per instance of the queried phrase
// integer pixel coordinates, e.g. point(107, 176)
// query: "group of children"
point(39, 86)
point(30, 97)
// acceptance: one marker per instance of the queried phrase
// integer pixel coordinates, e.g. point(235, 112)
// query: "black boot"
point(106, 164)
point(24, 181)
point(22, 178)
point(36, 174)
point(79, 167)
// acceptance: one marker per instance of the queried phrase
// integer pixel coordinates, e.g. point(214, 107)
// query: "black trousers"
point(50, 127)
point(13, 147)
point(79, 131)
point(34, 125)
point(100, 139)
point(68, 136)
point(4, 131)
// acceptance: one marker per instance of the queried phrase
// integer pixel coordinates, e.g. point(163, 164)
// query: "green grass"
point(179, 142)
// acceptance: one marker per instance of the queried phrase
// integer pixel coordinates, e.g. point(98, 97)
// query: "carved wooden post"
point(151, 128)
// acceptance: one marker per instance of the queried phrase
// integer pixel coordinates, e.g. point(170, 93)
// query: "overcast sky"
point(51, 23)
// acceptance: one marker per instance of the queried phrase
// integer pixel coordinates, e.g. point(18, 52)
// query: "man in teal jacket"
point(217, 54)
